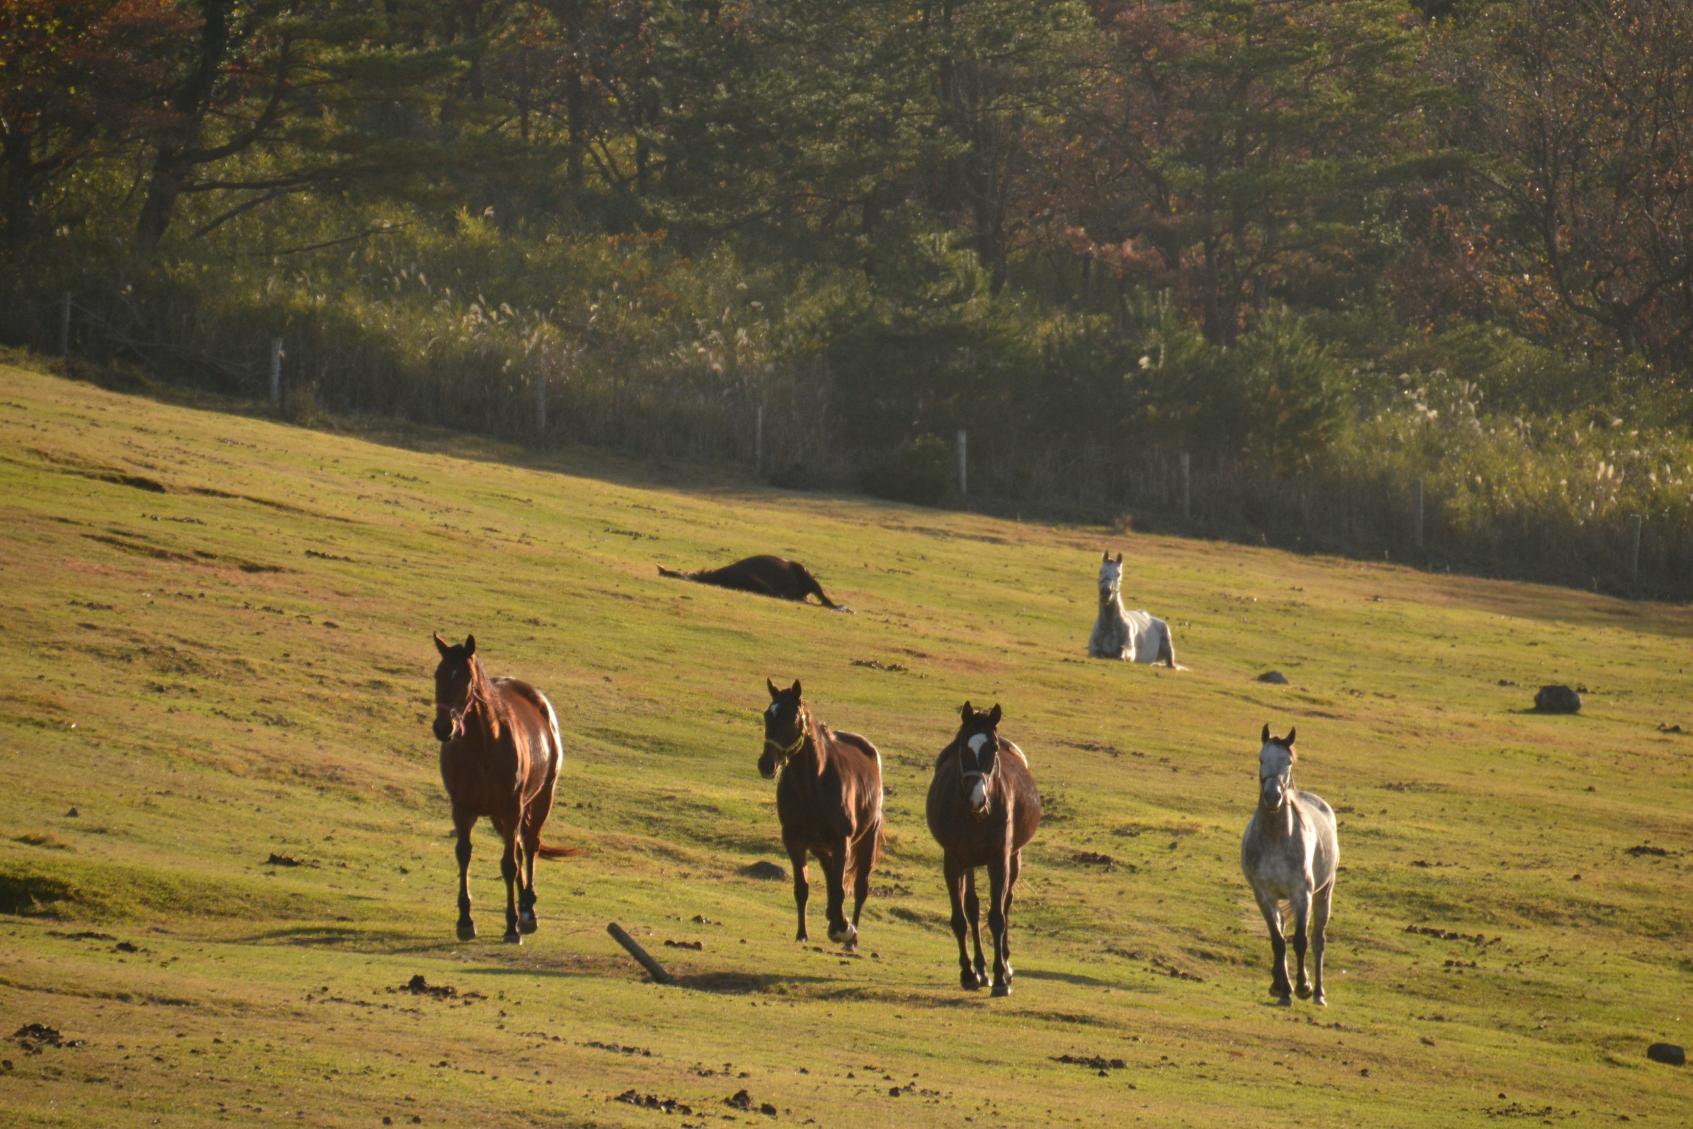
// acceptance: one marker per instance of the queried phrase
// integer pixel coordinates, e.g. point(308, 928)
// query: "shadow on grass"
point(742, 983)
point(1075, 978)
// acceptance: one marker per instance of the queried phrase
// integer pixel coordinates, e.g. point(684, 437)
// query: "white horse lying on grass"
point(1134, 637)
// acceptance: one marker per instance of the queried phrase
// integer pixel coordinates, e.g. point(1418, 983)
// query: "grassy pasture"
point(218, 651)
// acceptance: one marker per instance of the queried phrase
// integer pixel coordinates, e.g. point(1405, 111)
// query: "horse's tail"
point(547, 852)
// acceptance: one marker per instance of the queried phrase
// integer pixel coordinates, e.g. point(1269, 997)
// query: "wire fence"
point(783, 428)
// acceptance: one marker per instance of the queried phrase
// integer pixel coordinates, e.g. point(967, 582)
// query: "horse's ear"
point(1265, 738)
point(1105, 557)
point(440, 643)
point(469, 646)
point(994, 715)
point(1288, 740)
point(771, 686)
point(795, 688)
point(965, 712)
point(1119, 557)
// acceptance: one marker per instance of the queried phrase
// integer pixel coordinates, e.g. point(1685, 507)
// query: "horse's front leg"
point(1301, 915)
point(973, 915)
point(1279, 988)
point(802, 888)
point(997, 874)
point(463, 821)
point(1013, 869)
point(956, 878)
point(834, 872)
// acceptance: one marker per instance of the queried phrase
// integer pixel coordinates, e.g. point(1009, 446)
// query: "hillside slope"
point(225, 844)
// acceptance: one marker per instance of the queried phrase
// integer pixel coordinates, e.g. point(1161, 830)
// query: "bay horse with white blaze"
point(500, 758)
point(1290, 853)
point(983, 809)
point(829, 801)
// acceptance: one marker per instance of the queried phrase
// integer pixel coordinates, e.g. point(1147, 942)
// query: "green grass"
point(217, 648)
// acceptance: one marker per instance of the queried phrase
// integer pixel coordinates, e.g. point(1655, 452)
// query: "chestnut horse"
point(829, 800)
point(765, 575)
point(983, 809)
point(500, 758)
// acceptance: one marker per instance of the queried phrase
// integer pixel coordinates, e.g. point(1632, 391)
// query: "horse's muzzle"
point(448, 725)
point(767, 766)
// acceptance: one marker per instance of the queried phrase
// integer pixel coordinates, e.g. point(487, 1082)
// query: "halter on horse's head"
point(978, 756)
point(1275, 769)
point(458, 686)
point(1110, 576)
point(787, 724)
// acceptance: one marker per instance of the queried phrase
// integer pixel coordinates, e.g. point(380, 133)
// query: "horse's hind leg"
point(802, 888)
point(1012, 871)
point(462, 823)
point(956, 877)
point(973, 913)
point(862, 861)
point(1319, 938)
point(1278, 947)
point(834, 873)
point(509, 831)
point(527, 922)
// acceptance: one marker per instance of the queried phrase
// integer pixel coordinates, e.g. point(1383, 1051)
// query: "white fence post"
point(1187, 486)
point(1634, 549)
point(1417, 531)
point(963, 463)
point(276, 372)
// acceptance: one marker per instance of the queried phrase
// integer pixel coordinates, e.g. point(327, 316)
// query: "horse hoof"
point(801, 936)
point(969, 981)
point(1284, 1001)
point(513, 937)
point(1304, 991)
point(1002, 988)
point(527, 923)
point(1320, 1000)
point(843, 936)
point(467, 931)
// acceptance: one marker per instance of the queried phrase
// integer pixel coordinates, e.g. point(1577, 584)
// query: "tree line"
point(1278, 234)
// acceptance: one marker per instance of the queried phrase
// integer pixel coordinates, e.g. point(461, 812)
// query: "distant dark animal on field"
point(765, 575)
point(500, 758)
point(1290, 853)
point(1133, 636)
point(983, 809)
point(829, 801)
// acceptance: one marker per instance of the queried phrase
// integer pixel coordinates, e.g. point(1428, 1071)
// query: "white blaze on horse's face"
point(977, 779)
point(1275, 773)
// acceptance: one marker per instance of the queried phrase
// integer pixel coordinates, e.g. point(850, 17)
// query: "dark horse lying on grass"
point(766, 575)
point(500, 758)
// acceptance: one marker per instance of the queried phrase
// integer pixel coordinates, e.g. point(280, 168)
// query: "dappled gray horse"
point(1119, 634)
point(1289, 854)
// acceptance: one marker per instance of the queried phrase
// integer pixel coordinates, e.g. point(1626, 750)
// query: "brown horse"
point(765, 575)
point(829, 799)
point(500, 757)
point(983, 808)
